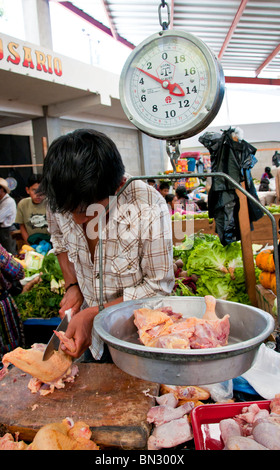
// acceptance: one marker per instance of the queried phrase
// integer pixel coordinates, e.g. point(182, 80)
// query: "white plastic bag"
point(220, 392)
point(264, 375)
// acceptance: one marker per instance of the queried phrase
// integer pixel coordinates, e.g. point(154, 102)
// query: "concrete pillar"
point(45, 130)
point(153, 156)
point(37, 22)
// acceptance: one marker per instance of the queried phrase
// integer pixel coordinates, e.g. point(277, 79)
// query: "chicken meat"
point(170, 434)
point(163, 413)
point(254, 428)
point(65, 435)
point(46, 375)
point(166, 329)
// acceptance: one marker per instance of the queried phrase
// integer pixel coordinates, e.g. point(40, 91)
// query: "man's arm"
point(73, 298)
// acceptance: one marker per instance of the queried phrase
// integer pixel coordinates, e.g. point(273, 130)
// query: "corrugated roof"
point(244, 34)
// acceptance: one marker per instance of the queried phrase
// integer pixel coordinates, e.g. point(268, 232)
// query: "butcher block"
point(111, 402)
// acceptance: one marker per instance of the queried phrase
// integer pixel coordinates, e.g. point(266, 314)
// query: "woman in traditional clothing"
point(11, 328)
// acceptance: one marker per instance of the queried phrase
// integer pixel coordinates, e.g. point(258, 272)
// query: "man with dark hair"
point(164, 188)
point(31, 213)
point(83, 172)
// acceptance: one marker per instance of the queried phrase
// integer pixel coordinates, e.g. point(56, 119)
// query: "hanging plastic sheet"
point(235, 158)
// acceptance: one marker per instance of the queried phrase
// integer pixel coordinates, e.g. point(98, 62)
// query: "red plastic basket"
point(206, 419)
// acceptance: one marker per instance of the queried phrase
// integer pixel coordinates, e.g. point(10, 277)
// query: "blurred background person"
point(151, 182)
point(8, 210)
point(164, 188)
point(11, 328)
point(31, 214)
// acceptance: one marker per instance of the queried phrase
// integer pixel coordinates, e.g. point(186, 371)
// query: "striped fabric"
point(11, 329)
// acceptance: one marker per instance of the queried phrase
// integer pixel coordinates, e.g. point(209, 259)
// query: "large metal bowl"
point(249, 327)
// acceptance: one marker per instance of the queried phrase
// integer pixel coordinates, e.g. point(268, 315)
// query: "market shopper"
point(164, 188)
point(11, 329)
point(173, 204)
point(31, 213)
point(183, 199)
point(83, 171)
point(8, 211)
point(267, 173)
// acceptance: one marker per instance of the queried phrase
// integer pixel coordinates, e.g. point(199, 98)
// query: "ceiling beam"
point(109, 18)
point(94, 22)
point(268, 60)
point(253, 80)
point(233, 26)
point(66, 107)
point(172, 14)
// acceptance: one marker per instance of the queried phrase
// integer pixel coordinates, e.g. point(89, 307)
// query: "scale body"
point(171, 86)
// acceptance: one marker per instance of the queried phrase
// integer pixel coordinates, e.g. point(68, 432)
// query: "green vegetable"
point(183, 289)
point(39, 302)
point(207, 256)
point(43, 300)
point(219, 268)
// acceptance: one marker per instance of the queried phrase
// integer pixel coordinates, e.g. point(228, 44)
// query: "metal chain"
point(164, 24)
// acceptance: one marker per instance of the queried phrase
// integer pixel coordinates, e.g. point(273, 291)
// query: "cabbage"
point(207, 256)
point(219, 268)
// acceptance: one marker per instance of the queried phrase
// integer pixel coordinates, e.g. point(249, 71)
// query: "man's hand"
point(79, 329)
point(73, 299)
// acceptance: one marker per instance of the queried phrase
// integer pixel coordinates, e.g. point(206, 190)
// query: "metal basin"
point(249, 327)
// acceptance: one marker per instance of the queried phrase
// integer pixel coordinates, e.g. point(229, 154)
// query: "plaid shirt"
point(137, 250)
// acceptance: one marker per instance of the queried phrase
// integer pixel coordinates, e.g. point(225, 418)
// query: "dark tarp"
point(234, 158)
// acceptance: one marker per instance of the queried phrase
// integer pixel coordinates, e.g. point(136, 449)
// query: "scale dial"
point(171, 86)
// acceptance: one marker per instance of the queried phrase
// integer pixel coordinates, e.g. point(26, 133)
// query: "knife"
point(54, 342)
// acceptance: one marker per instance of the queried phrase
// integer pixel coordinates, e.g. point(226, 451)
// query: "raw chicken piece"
point(267, 433)
point(248, 416)
point(211, 333)
point(168, 399)
point(170, 434)
point(47, 375)
point(229, 428)
point(159, 415)
point(30, 361)
point(157, 328)
point(210, 312)
point(7, 442)
point(150, 323)
point(69, 343)
point(243, 443)
point(275, 404)
point(170, 341)
point(63, 436)
point(185, 392)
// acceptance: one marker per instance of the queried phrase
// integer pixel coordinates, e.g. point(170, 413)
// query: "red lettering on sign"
point(27, 58)
point(14, 57)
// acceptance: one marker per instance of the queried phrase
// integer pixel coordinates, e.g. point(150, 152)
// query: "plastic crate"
point(206, 418)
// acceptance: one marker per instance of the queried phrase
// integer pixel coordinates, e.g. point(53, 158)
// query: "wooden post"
point(45, 146)
point(247, 249)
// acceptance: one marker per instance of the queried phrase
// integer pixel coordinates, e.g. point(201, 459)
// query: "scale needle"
point(166, 84)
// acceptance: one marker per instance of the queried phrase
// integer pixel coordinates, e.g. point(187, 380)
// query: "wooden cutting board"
point(110, 401)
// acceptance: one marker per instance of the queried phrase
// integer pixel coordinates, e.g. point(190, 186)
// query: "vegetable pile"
point(43, 300)
point(265, 262)
point(203, 266)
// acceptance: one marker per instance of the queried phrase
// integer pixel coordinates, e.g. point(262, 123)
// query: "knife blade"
point(54, 342)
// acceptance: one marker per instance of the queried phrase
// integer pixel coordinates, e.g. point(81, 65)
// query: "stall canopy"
point(244, 34)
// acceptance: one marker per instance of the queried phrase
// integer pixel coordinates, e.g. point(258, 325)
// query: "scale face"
point(171, 86)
